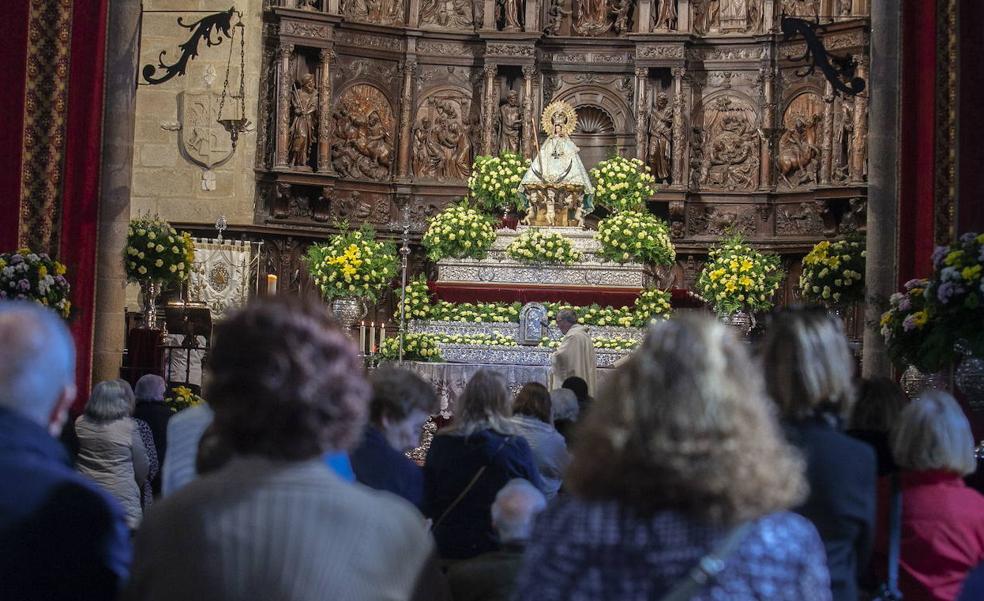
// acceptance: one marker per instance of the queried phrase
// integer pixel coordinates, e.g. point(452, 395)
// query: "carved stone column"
point(488, 112)
point(768, 79)
point(324, 113)
point(406, 106)
point(645, 18)
point(284, 52)
point(859, 150)
point(679, 170)
point(827, 142)
point(529, 119)
point(641, 112)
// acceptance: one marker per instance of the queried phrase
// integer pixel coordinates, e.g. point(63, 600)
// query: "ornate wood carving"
point(442, 145)
point(727, 16)
point(799, 155)
point(803, 219)
point(362, 145)
point(324, 112)
point(720, 220)
point(306, 30)
point(366, 40)
point(447, 14)
point(284, 54)
point(381, 12)
point(730, 144)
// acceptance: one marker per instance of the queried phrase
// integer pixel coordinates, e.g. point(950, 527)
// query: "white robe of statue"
point(558, 162)
point(574, 357)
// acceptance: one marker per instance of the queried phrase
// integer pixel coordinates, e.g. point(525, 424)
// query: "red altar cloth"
point(578, 296)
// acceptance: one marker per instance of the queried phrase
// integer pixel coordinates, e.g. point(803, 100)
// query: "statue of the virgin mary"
point(557, 161)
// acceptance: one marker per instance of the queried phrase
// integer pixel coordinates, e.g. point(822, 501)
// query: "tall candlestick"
point(362, 338)
point(382, 334)
point(271, 284)
point(372, 337)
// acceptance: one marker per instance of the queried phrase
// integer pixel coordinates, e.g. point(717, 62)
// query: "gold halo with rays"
point(560, 110)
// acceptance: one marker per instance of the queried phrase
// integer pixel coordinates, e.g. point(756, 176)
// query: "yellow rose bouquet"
point(494, 181)
point(458, 232)
point(181, 398)
point(833, 272)
point(635, 236)
point(26, 275)
point(739, 278)
point(352, 264)
point(534, 246)
point(623, 184)
point(156, 252)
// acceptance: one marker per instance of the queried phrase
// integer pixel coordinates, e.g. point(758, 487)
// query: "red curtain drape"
point(53, 128)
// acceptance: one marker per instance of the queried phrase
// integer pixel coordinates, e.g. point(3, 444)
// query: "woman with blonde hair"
point(809, 373)
point(680, 481)
point(469, 462)
point(942, 525)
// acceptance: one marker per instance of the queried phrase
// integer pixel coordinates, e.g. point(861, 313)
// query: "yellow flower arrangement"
point(739, 278)
point(833, 272)
point(352, 264)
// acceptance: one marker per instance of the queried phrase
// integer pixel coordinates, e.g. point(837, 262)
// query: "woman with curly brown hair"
point(680, 479)
point(274, 522)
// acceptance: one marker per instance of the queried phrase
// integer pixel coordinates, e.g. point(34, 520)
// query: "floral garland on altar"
point(637, 237)
point(535, 246)
point(352, 264)
point(623, 184)
point(458, 232)
point(26, 275)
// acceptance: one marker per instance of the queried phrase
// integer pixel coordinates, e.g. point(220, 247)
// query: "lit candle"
point(271, 284)
point(372, 337)
point(382, 334)
point(362, 337)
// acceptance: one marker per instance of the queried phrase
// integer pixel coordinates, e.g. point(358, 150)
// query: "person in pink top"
point(942, 535)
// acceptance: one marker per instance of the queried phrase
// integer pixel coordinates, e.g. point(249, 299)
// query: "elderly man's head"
point(150, 387)
point(566, 318)
point(37, 364)
point(285, 382)
point(516, 506)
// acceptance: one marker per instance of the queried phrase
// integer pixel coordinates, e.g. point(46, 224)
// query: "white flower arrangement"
point(637, 237)
point(155, 251)
point(494, 181)
point(623, 184)
point(458, 232)
point(535, 246)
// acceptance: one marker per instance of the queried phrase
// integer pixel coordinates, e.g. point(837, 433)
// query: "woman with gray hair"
point(469, 462)
point(942, 533)
point(111, 450)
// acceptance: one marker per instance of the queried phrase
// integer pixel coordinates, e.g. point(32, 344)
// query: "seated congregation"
point(701, 470)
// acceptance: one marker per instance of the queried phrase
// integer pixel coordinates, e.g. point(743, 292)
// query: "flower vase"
point(915, 382)
point(969, 379)
point(347, 310)
point(150, 291)
point(740, 321)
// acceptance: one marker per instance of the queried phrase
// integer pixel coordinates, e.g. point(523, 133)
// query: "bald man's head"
point(515, 507)
point(37, 364)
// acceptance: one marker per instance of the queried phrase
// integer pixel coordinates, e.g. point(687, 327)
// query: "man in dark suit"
point(491, 576)
point(61, 537)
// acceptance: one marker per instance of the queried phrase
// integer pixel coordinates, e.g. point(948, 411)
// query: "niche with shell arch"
point(728, 146)
point(604, 123)
point(363, 133)
point(441, 144)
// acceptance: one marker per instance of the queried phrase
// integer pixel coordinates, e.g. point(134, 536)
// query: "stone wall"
point(174, 136)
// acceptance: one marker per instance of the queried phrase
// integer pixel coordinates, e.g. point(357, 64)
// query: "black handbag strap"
point(894, 534)
point(709, 566)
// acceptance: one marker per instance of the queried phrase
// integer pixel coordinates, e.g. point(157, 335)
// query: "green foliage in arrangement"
point(833, 272)
point(459, 232)
point(633, 236)
point(352, 264)
point(494, 181)
point(30, 276)
point(155, 251)
point(536, 246)
point(737, 278)
point(623, 184)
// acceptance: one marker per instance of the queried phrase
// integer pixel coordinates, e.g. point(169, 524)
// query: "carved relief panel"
point(728, 144)
point(726, 16)
point(381, 12)
point(441, 144)
point(364, 133)
point(799, 154)
point(447, 14)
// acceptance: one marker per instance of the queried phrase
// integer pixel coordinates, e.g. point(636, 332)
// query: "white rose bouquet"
point(416, 347)
point(458, 232)
point(623, 184)
point(739, 278)
point(494, 181)
point(833, 272)
point(534, 246)
point(637, 237)
point(155, 251)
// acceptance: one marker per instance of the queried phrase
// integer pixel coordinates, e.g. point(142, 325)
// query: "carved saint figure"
point(660, 138)
point(424, 159)
point(733, 15)
point(454, 14)
point(511, 120)
point(510, 15)
point(555, 17)
point(798, 152)
point(592, 17)
point(620, 9)
point(666, 16)
point(304, 102)
point(844, 139)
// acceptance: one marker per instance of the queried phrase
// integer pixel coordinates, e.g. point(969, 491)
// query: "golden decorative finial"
point(559, 113)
